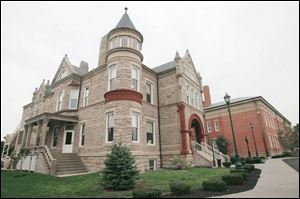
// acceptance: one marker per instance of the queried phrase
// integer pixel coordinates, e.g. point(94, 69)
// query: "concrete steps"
point(68, 163)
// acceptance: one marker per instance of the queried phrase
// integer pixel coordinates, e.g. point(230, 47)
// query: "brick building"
point(157, 112)
point(269, 125)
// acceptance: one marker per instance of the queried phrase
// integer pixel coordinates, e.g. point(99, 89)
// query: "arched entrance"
point(196, 128)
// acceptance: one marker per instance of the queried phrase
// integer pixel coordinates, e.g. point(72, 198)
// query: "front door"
point(68, 141)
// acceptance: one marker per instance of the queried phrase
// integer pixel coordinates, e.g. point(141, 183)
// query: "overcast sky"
point(244, 48)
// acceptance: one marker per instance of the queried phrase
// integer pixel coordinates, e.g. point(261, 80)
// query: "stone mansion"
point(157, 112)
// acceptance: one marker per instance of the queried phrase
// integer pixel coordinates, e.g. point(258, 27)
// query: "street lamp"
point(246, 140)
point(213, 152)
point(237, 159)
point(251, 126)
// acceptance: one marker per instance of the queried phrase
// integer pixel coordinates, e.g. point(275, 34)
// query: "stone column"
point(25, 132)
point(38, 133)
point(44, 124)
point(28, 135)
point(183, 131)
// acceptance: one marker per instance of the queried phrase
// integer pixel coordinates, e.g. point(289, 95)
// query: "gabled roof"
point(125, 22)
point(164, 67)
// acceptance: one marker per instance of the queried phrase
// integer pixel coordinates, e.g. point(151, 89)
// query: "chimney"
point(84, 66)
point(207, 99)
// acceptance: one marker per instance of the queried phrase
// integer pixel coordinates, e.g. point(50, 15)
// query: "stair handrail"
point(48, 156)
point(217, 152)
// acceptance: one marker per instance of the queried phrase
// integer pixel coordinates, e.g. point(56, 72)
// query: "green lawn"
point(39, 185)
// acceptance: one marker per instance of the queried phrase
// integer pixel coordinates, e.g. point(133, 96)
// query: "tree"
point(2, 146)
point(120, 171)
point(222, 144)
point(295, 136)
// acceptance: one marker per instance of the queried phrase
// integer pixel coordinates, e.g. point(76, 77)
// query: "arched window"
point(59, 101)
point(61, 75)
point(196, 99)
point(192, 97)
point(199, 101)
point(187, 95)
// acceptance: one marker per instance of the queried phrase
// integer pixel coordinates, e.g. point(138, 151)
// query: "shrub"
point(143, 192)
point(120, 172)
point(238, 171)
point(243, 174)
point(227, 164)
point(233, 179)
point(256, 160)
point(214, 185)
point(180, 188)
point(248, 160)
point(179, 163)
point(249, 167)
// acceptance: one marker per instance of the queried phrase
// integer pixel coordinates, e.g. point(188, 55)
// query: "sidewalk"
point(277, 180)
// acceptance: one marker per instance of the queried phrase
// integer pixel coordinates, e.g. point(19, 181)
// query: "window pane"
point(82, 134)
point(148, 92)
point(134, 84)
point(134, 134)
point(134, 73)
point(110, 134)
point(152, 164)
point(73, 103)
point(113, 84)
point(124, 41)
point(69, 138)
point(110, 120)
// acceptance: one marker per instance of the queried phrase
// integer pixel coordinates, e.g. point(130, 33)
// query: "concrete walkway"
point(277, 180)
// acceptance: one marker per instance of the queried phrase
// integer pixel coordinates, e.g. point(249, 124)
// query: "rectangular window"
point(150, 132)
point(110, 126)
point(149, 92)
point(73, 99)
point(152, 165)
point(208, 127)
point(124, 41)
point(135, 78)
point(136, 44)
point(113, 43)
point(86, 97)
point(135, 127)
point(112, 77)
point(82, 134)
point(217, 129)
point(55, 136)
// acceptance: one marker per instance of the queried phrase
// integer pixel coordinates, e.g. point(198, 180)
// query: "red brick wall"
point(241, 126)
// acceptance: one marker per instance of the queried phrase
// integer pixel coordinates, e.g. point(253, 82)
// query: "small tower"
point(124, 46)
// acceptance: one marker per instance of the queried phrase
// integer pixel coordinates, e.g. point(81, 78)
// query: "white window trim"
point(153, 123)
point(138, 126)
point(57, 100)
point(106, 134)
point(139, 73)
point(120, 39)
point(208, 125)
point(151, 85)
point(70, 98)
point(80, 136)
point(216, 122)
point(51, 145)
point(187, 94)
point(84, 96)
point(155, 165)
point(108, 71)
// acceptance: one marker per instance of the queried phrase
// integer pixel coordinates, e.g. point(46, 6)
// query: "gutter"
point(158, 115)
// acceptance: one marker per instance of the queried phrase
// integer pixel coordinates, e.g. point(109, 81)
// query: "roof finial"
point(126, 10)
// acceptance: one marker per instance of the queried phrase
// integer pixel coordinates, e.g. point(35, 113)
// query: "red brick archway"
point(198, 134)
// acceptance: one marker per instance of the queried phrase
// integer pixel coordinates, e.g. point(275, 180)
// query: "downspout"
point(158, 122)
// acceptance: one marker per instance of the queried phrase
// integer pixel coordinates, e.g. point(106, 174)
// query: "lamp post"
point(246, 140)
point(237, 159)
point(251, 126)
point(213, 151)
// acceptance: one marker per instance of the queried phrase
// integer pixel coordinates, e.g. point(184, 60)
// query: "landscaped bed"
point(248, 184)
point(39, 185)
